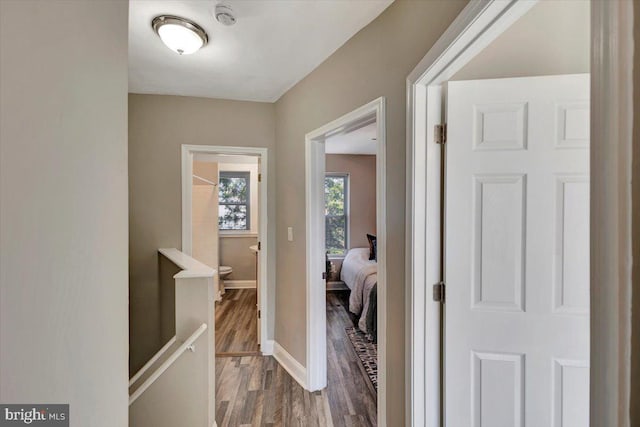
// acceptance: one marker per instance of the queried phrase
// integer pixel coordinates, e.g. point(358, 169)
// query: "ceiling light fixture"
point(179, 34)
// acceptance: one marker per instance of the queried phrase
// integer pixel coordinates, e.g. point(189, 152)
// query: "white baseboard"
point(239, 284)
point(291, 365)
point(267, 349)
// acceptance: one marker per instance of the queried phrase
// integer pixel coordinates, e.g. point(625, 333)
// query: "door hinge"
point(259, 177)
point(324, 275)
point(440, 134)
point(259, 314)
point(259, 246)
point(439, 292)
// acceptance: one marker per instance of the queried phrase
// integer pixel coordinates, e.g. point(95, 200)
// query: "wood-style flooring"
point(348, 390)
point(257, 391)
point(237, 323)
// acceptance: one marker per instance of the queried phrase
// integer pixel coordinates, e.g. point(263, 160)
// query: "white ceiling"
point(273, 45)
point(358, 141)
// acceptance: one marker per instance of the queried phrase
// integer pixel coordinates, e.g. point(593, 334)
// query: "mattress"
point(360, 275)
point(354, 262)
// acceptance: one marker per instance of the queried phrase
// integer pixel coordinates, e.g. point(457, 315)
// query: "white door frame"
point(188, 151)
point(316, 289)
point(611, 128)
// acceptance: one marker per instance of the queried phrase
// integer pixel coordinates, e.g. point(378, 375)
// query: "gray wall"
point(635, 303)
point(235, 252)
point(63, 207)
point(362, 194)
point(375, 62)
point(552, 38)
point(158, 126)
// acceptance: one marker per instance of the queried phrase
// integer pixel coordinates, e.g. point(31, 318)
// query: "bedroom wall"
point(63, 207)
point(362, 193)
point(552, 38)
point(158, 125)
point(374, 63)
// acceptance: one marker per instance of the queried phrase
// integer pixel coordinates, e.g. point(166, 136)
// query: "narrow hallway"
point(257, 391)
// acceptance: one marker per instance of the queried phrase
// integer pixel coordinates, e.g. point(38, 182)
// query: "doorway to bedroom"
point(345, 250)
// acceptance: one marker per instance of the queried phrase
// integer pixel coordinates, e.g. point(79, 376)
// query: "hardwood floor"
point(257, 391)
point(348, 389)
point(236, 323)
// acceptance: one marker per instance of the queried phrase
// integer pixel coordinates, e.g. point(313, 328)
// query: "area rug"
point(367, 352)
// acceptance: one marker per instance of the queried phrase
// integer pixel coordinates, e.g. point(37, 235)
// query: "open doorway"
point(224, 226)
point(225, 230)
point(350, 244)
point(346, 294)
point(505, 339)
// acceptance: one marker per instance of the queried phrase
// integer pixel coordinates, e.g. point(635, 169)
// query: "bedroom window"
point(336, 212)
point(233, 201)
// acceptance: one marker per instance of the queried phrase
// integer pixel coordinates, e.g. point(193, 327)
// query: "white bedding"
point(356, 260)
point(360, 275)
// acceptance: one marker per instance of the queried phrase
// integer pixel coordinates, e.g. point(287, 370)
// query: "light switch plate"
point(290, 234)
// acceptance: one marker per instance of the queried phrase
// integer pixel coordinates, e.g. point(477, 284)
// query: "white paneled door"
point(517, 253)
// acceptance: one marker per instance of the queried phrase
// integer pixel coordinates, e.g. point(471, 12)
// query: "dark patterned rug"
point(366, 351)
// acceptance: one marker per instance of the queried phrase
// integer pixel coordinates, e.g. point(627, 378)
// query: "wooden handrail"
point(167, 363)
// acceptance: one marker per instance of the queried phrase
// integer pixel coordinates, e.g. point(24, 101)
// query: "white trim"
point(316, 358)
point(239, 284)
point(190, 268)
point(267, 349)
point(612, 59)
point(187, 154)
point(290, 364)
point(223, 234)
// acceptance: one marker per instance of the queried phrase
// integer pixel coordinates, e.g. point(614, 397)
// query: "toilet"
point(223, 272)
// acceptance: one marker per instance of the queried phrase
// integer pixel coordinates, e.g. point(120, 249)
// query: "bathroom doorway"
point(224, 226)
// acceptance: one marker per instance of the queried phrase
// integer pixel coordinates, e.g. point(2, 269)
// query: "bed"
point(361, 275)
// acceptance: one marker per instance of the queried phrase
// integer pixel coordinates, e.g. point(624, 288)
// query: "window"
point(336, 211)
point(234, 201)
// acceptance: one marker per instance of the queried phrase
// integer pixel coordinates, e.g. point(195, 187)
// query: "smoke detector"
point(224, 15)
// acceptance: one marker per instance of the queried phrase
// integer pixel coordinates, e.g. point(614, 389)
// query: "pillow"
point(373, 247)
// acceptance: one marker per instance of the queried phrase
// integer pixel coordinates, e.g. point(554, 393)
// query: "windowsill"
point(237, 233)
point(337, 256)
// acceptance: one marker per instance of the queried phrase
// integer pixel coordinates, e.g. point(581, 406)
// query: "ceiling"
point(272, 46)
point(358, 141)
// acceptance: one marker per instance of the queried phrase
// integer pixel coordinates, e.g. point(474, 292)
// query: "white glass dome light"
point(180, 35)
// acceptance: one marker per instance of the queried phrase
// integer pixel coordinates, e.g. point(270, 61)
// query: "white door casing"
point(187, 156)
point(517, 253)
point(258, 294)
